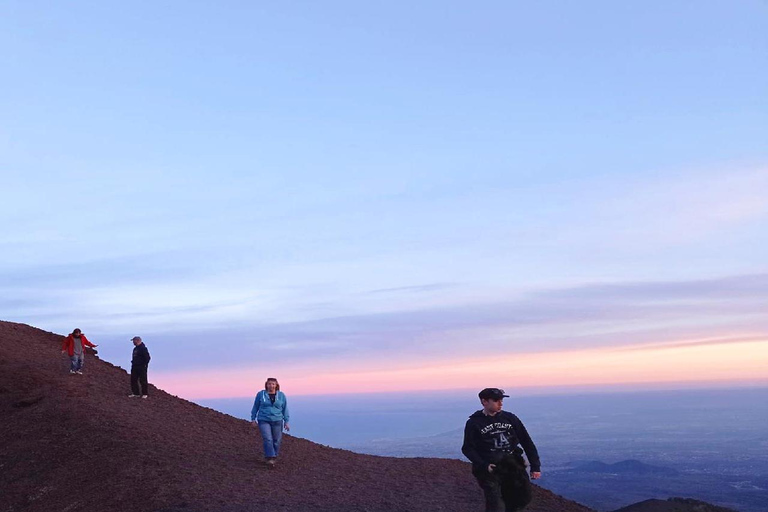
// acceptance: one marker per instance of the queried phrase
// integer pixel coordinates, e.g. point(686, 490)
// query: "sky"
point(387, 196)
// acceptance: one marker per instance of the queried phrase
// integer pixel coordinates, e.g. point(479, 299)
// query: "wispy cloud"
point(99, 272)
point(748, 286)
point(685, 207)
point(591, 316)
point(416, 288)
point(720, 341)
point(738, 362)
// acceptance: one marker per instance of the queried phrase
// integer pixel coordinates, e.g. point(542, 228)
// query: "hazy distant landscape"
point(710, 445)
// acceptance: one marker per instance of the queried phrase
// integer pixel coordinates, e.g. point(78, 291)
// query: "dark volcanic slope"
point(74, 443)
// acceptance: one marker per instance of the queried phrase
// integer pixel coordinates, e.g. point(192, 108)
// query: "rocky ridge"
point(77, 443)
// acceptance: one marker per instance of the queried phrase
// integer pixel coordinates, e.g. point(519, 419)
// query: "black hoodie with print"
point(488, 438)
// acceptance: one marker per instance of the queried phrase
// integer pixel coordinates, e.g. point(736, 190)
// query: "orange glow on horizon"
point(672, 363)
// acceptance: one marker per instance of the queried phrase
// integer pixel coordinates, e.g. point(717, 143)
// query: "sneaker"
point(133, 396)
point(144, 396)
point(79, 372)
point(72, 372)
point(270, 463)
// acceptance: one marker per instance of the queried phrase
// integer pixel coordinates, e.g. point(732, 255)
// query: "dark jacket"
point(140, 355)
point(488, 438)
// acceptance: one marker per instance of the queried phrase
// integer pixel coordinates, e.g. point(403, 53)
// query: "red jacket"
point(69, 344)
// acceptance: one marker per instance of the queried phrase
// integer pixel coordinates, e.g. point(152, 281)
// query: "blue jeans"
point(272, 435)
point(76, 362)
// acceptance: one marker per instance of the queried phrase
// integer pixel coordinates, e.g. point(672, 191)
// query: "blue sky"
point(336, 183)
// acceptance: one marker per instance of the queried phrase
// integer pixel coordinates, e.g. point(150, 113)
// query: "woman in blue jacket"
point(270, 413)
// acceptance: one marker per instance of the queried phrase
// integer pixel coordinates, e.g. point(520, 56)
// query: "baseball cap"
point(136, 338)
point(492, 394)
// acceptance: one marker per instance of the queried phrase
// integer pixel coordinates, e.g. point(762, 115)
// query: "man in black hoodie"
point(491, 439)
point(139, 363)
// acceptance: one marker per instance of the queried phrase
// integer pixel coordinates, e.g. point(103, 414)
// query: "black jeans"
point(508, 488)
point(139, 377)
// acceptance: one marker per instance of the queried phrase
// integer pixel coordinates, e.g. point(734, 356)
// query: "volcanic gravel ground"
point(72, 443)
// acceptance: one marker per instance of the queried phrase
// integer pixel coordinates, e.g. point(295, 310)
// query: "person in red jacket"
point(74, 345)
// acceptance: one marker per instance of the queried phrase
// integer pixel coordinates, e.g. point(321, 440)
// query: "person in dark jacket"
point(139, 364)
point(492, 440)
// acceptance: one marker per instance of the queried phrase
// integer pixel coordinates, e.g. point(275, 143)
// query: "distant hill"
point(625, 467)
point(673, 505)
point(77, 443)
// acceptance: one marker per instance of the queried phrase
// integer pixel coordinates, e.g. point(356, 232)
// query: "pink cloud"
point(727, 361)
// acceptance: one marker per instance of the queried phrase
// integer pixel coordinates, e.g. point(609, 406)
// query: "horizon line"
point(528, 391)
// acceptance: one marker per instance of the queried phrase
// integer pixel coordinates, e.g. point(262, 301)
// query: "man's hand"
point(63, 351)
point(287, 427)
point(491, 467)
point(535, 475)
point(255, 423)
